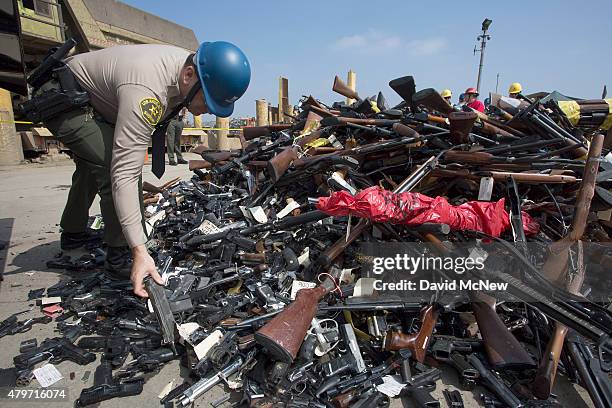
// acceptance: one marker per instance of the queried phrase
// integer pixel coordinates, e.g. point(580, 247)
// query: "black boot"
point(171, 162)
point(74, 240)
point(118, 265)
point(181, 161)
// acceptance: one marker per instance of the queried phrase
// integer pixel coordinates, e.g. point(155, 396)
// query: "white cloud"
point(428, 46)
point(370, 42)
point(374, 42)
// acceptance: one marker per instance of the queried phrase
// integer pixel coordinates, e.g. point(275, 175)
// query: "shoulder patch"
point(151, 110)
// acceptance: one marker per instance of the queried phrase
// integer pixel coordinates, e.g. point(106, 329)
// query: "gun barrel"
point(205, 384)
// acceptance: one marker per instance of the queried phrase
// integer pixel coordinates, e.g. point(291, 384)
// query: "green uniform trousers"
point(173, 139)
point(91, 141)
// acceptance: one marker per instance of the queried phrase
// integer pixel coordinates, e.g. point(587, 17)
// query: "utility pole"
point(483, 38)
point(497, 83)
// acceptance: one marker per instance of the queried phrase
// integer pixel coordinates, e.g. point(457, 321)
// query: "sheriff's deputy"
point(134, 91)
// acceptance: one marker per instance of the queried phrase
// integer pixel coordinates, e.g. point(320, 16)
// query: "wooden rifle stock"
point(251, 132)
point(405, 131)
point(545, 377)
point(555, 266)
point(343, 89)
point(199, 164)
point(555, 269)
point(224, 155)
point(283, 335)
point(278, 165)
point(416, 342)
point(404, 87)
point(461, 124)
point(431, 99)
point(502, 348)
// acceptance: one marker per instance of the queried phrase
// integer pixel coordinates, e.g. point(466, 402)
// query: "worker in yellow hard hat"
point(515, 90)
point(447, 95)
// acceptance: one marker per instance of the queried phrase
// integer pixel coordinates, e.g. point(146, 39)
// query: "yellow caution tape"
point(571, 109)
point(318, 143)
point(607, 123)
point(23, 122)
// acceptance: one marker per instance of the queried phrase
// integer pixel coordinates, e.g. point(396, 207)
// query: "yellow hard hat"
point(515, 87)
point(446, 93)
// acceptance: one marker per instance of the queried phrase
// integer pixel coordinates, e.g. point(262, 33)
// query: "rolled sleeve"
point(133, 130)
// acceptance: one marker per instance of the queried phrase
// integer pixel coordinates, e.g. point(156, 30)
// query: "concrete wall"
point(121, 15)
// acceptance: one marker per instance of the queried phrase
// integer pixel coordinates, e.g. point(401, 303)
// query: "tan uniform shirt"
point(132, 86)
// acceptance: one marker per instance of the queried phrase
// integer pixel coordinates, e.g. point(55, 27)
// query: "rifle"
point(502, 348)
point(416, 342)
point(251, 132)
point(556, 264)
point(278, 165)
point(527, 178)
point(405, 87)
point(461, 124)
point(199, 164)
point(344, 90)
point(431, 99)
point(555, 268)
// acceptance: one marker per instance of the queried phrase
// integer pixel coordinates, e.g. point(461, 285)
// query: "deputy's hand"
point(143, 266)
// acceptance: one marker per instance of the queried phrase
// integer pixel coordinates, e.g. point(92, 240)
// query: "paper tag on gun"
point(390, 386)
point(486, 189)
point(299, 285)
point(47, 375)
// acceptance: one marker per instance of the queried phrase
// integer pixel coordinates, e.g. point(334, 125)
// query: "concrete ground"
point(32, 197)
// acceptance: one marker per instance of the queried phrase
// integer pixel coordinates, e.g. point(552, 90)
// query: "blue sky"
point(546, 45)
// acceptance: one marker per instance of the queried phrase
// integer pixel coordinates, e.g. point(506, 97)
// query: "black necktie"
point(158, 165)
point(158, 140)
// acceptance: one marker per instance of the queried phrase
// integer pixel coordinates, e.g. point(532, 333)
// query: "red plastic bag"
point(381, 205)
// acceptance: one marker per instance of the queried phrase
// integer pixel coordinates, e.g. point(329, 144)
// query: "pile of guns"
point(264, 292)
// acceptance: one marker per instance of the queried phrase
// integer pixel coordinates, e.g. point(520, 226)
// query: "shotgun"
point(416, 342)
point(555, 269)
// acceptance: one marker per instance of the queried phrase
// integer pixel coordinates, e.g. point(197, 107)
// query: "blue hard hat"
point(461, 97)
point(224, 73)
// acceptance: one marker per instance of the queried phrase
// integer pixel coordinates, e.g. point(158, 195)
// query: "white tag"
point(608, 158)
point(245, 211)
point(207, 227)
point(290, 207)
point(50, 300)
point(486, 189)
point(364, 287)
point(390, 386)
point(299, 285)
point(47, 375)
point(209, 342)
point(186, 329)
point(259, 214)
point(166, 389)
point(476, 253)
point(304, 258)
